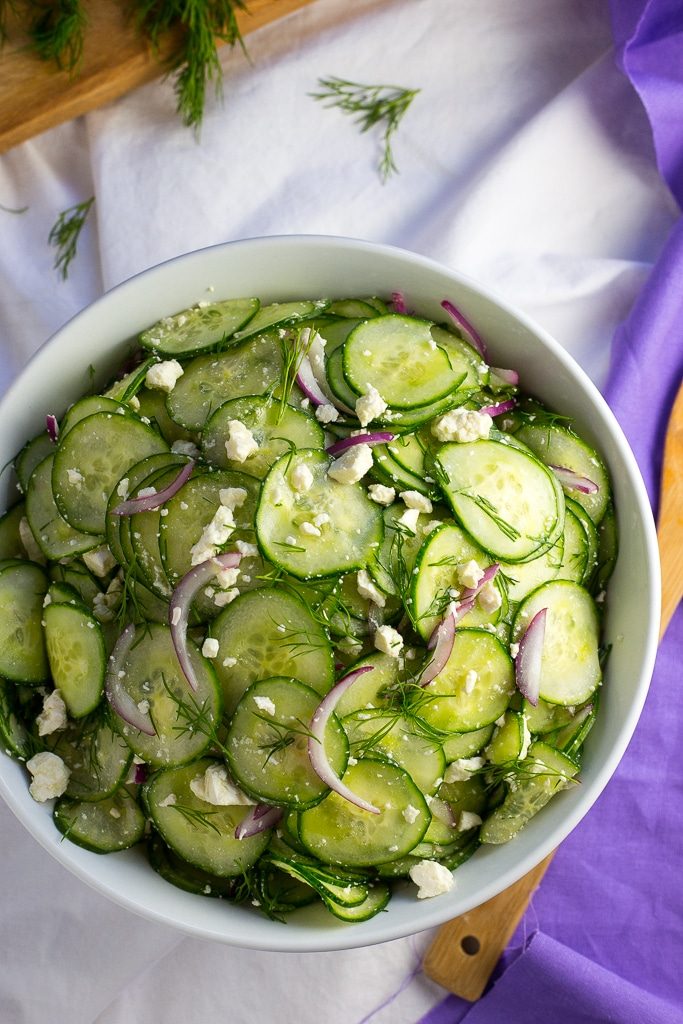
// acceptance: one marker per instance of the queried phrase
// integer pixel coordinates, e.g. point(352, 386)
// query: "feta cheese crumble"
point(431, 879)
point(100, 561)
point(210, 647)
point(214, 535)
point(53, 716)
point(164, 376)
point(241, 443)
point(489, 598)
point(301, 478)
point(469, 573)
point(216, 787)
point(381, 495)
point(369, 406)
point(409, 519)
point(389, 641)
point(367, 589)
point(468, 820)
point(232, 497)
point(265, 704)
point(462, 425)
point(50, 776)
point(326, 413)
point(352, 465)
point(463, 769)
point(411, 814)
point(309, 530)
point(414, 499)
point(74, 477)
point(471, 680)
point(185, 448)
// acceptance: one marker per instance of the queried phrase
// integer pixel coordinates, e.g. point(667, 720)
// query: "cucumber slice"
point(559, 446)
point(547, 771)
point(544, 718)
point(373, 689)
point(575, 549)
point(338, 832)
point(115, 823)
point(95, 754)
point(436, 574)
point(55, 537)
point(202, 327)
point(275, 427)
point(466, 744)
point(88, 406)
point(347, 539)
point(509, 740)
point(353, 308)
point(389, 470)
point(202, 834)
point(143, 533)
point(185, 876)
point(398, 356)
point(11, 546)
point(23, 657)
point(466, 795)
point(570, 667)
point(408, 451)
point(185, 720)
point(451, 704)
point(376, 900)
point(520, 578)
point(394, 736)
point(503, 496)
point(280, 313)
point(334, 369)
point(99, 449)
point(153, 407)
point(267, 743)
point(30, 456)
point(78, 577)
point(251, 368)
point(75, 649)
point(591, 540)
point(14, 736)
point(269, 632)
point(463, 355)
point(394, 561)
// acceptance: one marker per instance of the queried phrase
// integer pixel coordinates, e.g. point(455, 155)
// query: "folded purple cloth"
point(611, 926)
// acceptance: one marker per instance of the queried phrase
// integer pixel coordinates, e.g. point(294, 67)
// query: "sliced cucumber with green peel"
point(127, 487)
point(88, 406)
point(393, 562)
point(55, 537)
point(510, 740)
point(591, 539)
point(267, 743)
point(373, 689)
point(338, 832)
point(276, 428)
point(97, 756)
point(23, 656)
point(115, 823)
point(570, 665)
point(466, 744)
point(346, 539)
point(203, 834)
point(269, 632)
point(199, 328)
point(280, 314)
point(30, 456)
point(505, 498)
point(458, 702)
point(395, 737)
point(11, 546)
point(185, 876)
point(15, 738)
point(399, 357)
point(91, 460)
point(75, 650)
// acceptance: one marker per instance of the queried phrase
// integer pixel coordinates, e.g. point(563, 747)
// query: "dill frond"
point(58, 33)
point(65, 233)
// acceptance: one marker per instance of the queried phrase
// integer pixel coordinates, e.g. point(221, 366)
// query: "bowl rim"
point(333, 938)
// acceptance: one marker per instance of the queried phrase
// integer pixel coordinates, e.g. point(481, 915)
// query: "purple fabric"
point(608, 919)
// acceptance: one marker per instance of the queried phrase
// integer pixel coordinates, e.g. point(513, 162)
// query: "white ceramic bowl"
point(306, 267)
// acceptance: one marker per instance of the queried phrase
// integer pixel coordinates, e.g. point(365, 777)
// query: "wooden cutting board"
point(34, 95)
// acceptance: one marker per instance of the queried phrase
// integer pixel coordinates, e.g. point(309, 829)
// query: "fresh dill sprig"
point(490, 510)
point(194, 61)
point(58, 32)
point(293, 349)
point(383, 105)
point(285, 734)
point(65, 233)
point(192, 717)
point(197, 818)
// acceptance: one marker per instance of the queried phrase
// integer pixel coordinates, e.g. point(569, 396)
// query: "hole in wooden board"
point(470, 945)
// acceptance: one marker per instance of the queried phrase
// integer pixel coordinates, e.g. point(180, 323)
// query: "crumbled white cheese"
point(489, 598)
point(225, 597)
point(163, 376)
point(433, 524)
point(169, 801)
point(74, 477)
point(215, 534)
point(122, 488)
point(229, 662)
point(246, 549)
point(232, 497)
point(50, 776)
point(100, 561)
point(176, 615)
point(471, 680)
point(431, 878)
point(147, 492)
point(514, 650)
point(309, 530)
point(369, 406)
point(413, 499)
point(241, 443)
point(462, 770)
point(301, 478)
point(227, 578)
point(389, 641)
point(469, 573)
point(210, 647)
point(322, 519)
point(53, 716)
point(134, 402)
point(143, 707)
point(409, 519)
point(411, 814)
point(326, 413)
point(462, 425)
point(367, 589)
point(265, 704)
point(185, 448)
point(47, 600)
point(381, 495)
point(217, 788)
point(104, 605)
point(468, 820)
point(352, 465)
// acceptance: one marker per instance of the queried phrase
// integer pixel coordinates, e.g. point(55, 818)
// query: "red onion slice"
point(398, 301)
point(466, 327)
point(140, 774)
point(117, 695)
point(507, 376)
point(52, 427)
point(568, 478)
point(441, 642)
point(306, 380)
point(529, 657)
point(259, 818)
point(472, 592)
point(181, 602)
point(376, 437)
point(316, 743)
point(152, 501)
point(500, 408)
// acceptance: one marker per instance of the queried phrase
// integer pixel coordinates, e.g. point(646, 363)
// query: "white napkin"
point(524, 161)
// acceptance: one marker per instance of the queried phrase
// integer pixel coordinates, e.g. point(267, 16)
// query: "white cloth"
point(525, 161)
